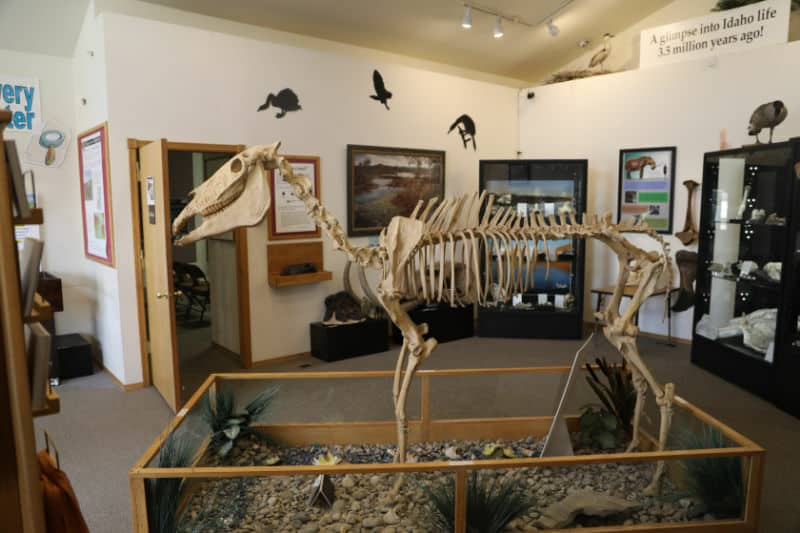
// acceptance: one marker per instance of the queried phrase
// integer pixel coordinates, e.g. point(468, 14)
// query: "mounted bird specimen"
point(381, 94)
point(767, 115)
point(599, 58)
point(466, 128)
point(286, 100)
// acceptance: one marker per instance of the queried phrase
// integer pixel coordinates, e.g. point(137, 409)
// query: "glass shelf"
point(754, 282)
point(760, 223)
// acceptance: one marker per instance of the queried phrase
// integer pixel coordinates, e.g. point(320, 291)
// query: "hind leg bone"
point(640, 384)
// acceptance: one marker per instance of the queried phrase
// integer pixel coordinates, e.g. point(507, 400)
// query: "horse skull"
point(237, 195)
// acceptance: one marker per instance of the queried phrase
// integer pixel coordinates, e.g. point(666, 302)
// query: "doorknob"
point(166, 295)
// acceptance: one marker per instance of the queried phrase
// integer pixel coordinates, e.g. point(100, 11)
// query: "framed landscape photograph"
point(647, 186)
point(387, 182)
point(287, 215)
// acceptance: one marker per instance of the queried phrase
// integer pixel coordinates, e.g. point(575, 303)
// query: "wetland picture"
point(388, 182)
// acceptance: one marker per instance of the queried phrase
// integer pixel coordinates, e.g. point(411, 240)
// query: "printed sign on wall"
point(722, 32)
point(98, 235)
point(21, 97)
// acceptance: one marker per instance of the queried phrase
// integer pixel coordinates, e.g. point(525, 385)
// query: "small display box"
point(333, 343)
point(73, 357)
point(445, 323)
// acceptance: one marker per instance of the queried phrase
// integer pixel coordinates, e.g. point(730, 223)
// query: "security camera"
point(531, 94)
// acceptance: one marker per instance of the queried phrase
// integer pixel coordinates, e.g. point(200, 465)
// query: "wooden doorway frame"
point(240, 240)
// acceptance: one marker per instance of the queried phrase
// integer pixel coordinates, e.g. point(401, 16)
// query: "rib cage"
point(446, 264)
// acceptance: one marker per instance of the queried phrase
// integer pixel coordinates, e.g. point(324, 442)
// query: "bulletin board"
point(98, 234)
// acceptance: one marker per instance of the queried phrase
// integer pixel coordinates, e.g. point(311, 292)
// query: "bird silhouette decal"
point(466, 128)
point(767, 115)
point(286, 100)
point(381, 94)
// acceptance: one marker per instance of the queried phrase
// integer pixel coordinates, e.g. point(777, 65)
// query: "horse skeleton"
point(434, 255)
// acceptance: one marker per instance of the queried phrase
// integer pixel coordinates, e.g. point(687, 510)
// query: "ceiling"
point(424, 29)
point(431, 29)
point(49, 27)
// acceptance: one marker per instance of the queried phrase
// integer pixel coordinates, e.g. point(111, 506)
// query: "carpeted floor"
point(101, 431)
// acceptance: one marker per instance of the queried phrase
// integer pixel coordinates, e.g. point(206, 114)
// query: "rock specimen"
point(687, 266)
point(341, 308)
point(584, 502)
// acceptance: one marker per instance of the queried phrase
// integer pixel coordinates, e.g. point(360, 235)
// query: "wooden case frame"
point(108, 260)
point(274, 235)
point(424, 428)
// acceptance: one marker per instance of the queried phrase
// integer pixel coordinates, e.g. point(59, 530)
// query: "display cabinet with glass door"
point(552, 307)
point(743, 324)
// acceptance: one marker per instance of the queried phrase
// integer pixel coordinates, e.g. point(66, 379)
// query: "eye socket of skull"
point(237, 165)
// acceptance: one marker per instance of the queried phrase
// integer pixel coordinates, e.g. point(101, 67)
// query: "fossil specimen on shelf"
point(689, 232)
point(434, 255)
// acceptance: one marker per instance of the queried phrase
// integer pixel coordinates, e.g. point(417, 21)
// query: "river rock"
point(371, 521)
point(391, 518)
point(583, 502)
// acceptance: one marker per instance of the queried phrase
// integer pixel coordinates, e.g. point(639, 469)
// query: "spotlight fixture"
point(498, 27)
point(583, 43)
point(547, 20)
point(466, 22)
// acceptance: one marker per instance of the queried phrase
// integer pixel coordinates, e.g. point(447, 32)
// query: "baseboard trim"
point(281, 360)
point(125, 388)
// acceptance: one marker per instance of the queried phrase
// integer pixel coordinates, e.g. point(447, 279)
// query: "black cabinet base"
point(445, 323)
point(748, 373)
point(73, 357)
point(522, 324)
point(348, 340)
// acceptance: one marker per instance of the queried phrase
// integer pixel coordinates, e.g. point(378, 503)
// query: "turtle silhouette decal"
point(286, 100)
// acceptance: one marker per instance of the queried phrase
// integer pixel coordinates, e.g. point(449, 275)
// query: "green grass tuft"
point(491, 504)
point(717, 481)
point(164, 494)
point(226, 424)
point(614, 388)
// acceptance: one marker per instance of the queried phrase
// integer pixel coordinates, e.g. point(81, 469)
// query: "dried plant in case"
point(226, 423)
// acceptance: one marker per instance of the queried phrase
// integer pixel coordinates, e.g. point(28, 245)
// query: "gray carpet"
point(102, 431)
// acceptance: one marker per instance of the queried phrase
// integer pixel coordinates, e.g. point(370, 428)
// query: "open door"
point(159, 290)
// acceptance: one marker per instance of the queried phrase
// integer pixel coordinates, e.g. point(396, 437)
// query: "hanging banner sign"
point(21, 97)
point(759, 24)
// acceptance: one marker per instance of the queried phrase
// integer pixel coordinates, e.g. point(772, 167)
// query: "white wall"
point(112, 327)
point(683, 105)
point(191, 84)
point(58, 190)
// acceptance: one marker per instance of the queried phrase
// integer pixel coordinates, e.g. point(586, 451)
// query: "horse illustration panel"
point(646, 186)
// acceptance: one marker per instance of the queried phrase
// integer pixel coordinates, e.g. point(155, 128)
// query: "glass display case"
point(746, 317)
point(318, 456)
point(552, 307)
